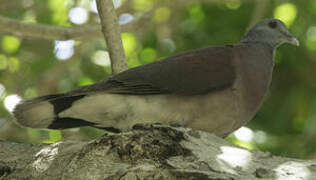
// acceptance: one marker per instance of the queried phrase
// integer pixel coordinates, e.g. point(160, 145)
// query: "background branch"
point(52, 32)
point(258, 12)
point(48, 32)
point(112, 33)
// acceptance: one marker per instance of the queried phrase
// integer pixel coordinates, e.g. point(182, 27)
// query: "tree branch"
point(258, 12)
point(148, 152)
point(112, 34)
point(51, 32)
point(48, 32)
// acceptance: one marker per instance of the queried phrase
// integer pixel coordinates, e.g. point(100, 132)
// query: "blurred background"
point(30, 67)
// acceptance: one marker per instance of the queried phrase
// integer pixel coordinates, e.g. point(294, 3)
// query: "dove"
point(216, 89)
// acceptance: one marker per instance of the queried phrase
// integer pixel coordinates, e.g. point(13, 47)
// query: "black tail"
point(42, 112)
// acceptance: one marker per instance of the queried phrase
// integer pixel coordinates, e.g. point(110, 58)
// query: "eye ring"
point(273, 24)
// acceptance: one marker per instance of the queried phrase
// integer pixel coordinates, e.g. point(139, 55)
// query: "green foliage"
point(3, 62)
point(148, 55)
point(162, 14)
point(131, 46)
point(10, 44)
point(143, 5)
point(84, 81)
point(53, 137)
point(59, 10)
point(196, 13)
point(285, 125)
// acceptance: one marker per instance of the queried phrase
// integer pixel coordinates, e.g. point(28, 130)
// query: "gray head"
point(270, 31)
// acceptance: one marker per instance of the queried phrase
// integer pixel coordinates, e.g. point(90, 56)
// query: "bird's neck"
point(268, 44)
point(258, 72)
point(256, 37)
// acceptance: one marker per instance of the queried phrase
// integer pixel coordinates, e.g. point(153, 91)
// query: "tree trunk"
point(148, 152)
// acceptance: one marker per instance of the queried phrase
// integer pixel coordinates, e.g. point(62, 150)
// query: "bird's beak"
point(292, 40)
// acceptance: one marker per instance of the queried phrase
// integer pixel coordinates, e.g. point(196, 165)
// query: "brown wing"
point(190, 73)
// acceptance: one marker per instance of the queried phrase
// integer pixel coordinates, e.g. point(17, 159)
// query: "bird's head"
point(270, 31)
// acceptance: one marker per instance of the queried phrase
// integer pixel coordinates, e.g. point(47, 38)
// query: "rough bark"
point(148, 152)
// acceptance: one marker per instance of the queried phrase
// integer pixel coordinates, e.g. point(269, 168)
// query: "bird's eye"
point(273, 24)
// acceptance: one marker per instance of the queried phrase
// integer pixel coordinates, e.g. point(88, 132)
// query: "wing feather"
point(194, 72)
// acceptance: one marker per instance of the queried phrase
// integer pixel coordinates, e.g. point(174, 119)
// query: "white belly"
point(217, 112)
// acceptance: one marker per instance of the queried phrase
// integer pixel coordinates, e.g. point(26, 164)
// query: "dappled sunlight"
point(243, 137)
point(64, 49)
point(117, 3)
point(244, 134)
point(286, 12)
point(298, 170)
point(93, 7)
point(260, 137)
point(101, 58)
point(45, 157)
point(11, 101)
point(125, 18)
point(234, 157)
point(78, 15)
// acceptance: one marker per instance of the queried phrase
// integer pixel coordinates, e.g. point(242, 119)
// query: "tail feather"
point(64, 123)
point(42, 112)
